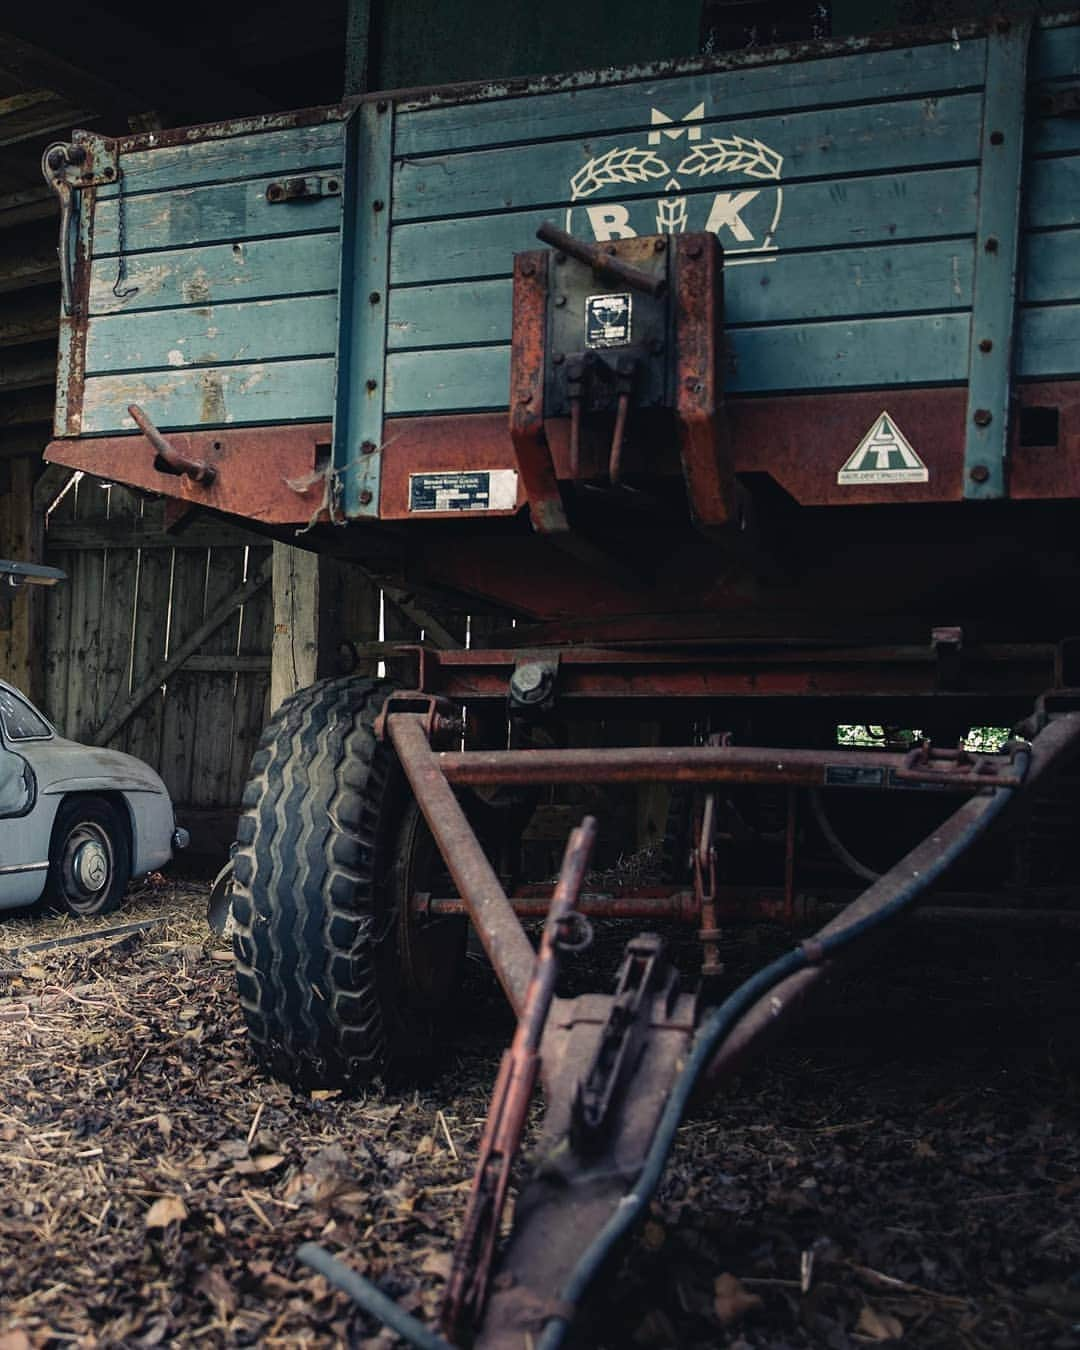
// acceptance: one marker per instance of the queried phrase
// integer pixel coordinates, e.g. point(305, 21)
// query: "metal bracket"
point(362, 308)
point(304, 189)
point(993, 313)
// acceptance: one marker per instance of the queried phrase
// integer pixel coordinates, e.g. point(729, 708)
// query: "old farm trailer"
point(749, 389)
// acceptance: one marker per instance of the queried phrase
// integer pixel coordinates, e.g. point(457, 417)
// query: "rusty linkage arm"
point(168, 458)
point(466, 1292)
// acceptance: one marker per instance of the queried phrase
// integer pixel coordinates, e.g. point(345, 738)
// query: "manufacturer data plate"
point(607, 320)
point(474, 490)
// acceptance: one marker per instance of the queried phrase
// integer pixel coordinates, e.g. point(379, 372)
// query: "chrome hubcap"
point(91, 866)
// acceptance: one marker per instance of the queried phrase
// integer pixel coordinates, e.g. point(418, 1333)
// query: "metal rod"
point(691, 764)
point(678, 907)
point(498, 927)
point(603, 264)
point(177, 462)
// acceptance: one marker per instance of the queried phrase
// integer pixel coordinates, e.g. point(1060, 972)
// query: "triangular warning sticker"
point(884, 455)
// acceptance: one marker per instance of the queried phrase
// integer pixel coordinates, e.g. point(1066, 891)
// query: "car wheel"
point(89, 857)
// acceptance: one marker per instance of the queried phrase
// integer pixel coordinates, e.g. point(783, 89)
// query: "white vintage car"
point(76, 822)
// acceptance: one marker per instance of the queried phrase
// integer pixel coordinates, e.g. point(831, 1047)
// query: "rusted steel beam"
point(677, 906)
point(1054, 746)
point(746, 765)
point(466, 1291)
point(498, 927)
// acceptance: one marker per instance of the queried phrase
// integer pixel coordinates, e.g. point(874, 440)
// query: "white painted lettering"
point(610, 222)
point(725, 212)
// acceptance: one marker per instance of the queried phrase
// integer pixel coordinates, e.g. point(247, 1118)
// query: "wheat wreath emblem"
point(719, 156)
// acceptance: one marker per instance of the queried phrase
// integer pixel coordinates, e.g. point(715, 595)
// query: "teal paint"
point(875, 353)
point(794, 286)
point(884, 210)
point(996, 252)
point(1050, 268)
point(225, 213)
point(362, 317)
point(820, 144)
point(213, 334)
point(269, 154)
point(763, 90)
point(1048, 342)
point(254, 394)
point(245, 270)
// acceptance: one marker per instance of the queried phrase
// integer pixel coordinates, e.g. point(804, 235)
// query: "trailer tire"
point(314, 930)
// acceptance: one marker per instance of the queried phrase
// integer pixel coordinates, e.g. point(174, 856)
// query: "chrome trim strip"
point(24, 867)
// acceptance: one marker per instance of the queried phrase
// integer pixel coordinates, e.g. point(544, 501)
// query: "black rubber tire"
point(314, 940)
point(83, 821)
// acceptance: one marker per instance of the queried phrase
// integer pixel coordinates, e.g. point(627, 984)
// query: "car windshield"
point(21, 722)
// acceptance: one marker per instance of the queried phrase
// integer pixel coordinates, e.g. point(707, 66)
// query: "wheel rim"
point(86, 864)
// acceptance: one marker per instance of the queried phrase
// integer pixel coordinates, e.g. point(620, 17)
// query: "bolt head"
point(982, 417)
point(374, 297)
point(979, 473)
point(365, 497)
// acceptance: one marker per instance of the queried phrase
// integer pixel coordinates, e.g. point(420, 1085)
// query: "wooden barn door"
point(159, 642)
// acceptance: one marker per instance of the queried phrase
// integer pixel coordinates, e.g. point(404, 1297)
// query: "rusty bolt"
point(372, 385)
point(275, 192)
point(77, 154)
point(992, 244)
point(367, 447)
point(983, 417)
point(611, 250)
point(560, 300)
point(693, 250)
point(365, 497)
point(109, 171)
point(528, 267)
point(377, 204)
point(986, 345)
point(997, 138)
point(693, 384)
point(979, 473)
point(56, 160)
point(374, 297)
point(525, 400)
point(558, 359)
point(659, 245)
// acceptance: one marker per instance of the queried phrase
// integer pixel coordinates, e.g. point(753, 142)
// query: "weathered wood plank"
point(213, 749)
point(84, 650)
point(1048, 342)
point(1050, 267)
point(862, 77)
point(146, 532)
point(141, 733)
point(188, 217)
point(925, 349)
point(1053, 192)
point(220, 273)
point(251, 705)
point(282, 391)
point(857, 211)
point(178, 738)
point(268, 330)
point(926, 133)
point(848, 283)
point(117, 611)
point(271, 153)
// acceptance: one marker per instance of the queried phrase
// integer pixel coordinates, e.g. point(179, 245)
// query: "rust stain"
point(212, 403)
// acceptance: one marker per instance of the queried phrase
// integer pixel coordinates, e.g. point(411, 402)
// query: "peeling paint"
point(176, 358)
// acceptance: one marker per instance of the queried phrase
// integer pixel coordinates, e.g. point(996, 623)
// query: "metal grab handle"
point(605, 264)
point(54, 163)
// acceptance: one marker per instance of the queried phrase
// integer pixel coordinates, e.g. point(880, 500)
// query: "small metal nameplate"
point(474, 490)
point(607, 320)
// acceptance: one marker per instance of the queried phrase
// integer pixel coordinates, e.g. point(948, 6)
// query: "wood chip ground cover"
point(905, 1171)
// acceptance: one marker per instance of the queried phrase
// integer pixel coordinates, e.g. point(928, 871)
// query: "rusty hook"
point(169, 459)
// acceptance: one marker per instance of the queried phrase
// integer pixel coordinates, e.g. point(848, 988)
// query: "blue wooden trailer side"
point(897, 221)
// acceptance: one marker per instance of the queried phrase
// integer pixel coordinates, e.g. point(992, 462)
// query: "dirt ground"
point(905, 1169)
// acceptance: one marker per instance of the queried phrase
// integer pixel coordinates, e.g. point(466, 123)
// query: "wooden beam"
point(16, 208)
point(157, 678)
point(29, 263)
point(28, 372)
point(30, 316)
point(34, 407)
point(20, 653)
point(149, 533)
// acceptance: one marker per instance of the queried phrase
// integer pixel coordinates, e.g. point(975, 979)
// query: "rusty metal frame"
point(527, 358)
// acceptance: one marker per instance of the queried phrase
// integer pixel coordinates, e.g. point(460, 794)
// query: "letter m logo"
point(673, 129)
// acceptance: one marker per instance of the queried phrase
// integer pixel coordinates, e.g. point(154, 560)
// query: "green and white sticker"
point(884, 455)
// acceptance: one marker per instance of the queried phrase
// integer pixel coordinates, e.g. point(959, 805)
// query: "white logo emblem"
point(884, 455)
point(746, 219)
